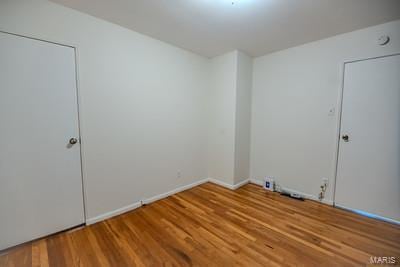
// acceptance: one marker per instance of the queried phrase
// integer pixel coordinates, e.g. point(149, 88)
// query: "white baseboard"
point(327, 202)
point(138, 204)
point(306, 196)
point(133, 206)
point(257, 182)
point(174, 191)
point(113, 213)
point(368, 215)
point(229, 186)
point(240, 184)
point(218, 182)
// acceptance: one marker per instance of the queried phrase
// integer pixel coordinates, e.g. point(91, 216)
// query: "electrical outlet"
point(324, 185)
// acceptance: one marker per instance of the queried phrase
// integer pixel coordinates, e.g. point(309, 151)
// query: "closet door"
point(368, 177)
point(40, 167)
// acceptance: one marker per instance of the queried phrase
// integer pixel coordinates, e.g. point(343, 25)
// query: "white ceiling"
point(257, 27)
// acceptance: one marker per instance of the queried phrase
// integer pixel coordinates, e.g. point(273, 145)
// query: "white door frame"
point(338, 130)
point(78, 103)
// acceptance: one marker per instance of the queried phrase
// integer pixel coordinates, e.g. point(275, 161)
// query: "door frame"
point(78, 103)
point(337, 137)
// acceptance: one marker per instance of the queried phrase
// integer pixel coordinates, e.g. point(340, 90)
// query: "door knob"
point(73, 141)
point(345, 138)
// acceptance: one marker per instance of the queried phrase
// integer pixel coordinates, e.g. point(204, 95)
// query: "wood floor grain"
point(212, 226)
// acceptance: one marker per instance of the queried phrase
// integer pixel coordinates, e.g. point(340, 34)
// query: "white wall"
point(143, 104)
point(222, 118)
point(244, 75)
point(229, 136)
point(293, 138)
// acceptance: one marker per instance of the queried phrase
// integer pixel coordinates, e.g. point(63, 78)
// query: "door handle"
point(73, 141)
point(345, 138)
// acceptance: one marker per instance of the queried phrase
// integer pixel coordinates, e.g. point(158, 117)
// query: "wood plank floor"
point(212, 226)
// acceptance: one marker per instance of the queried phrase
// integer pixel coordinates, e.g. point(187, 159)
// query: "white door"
point(40, 171)
point(368, 177)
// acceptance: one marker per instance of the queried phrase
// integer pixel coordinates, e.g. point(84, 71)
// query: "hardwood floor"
point(212, 226)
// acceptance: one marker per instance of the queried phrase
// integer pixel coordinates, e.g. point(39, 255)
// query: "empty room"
point(199, 133)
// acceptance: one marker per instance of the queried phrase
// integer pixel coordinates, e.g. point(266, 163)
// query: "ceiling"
point(257, 27)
